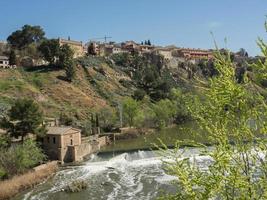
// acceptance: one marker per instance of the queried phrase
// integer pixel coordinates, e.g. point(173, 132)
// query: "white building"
point(4, 62)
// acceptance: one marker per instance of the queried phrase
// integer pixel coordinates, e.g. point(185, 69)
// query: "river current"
point(131, 175)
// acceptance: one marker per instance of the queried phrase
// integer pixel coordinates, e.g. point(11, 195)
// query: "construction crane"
point(103, 38)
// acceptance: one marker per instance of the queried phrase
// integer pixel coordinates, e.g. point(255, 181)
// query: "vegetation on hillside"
point(233, 115)
point(24, 117)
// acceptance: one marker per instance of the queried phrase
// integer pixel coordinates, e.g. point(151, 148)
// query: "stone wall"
point(103, 141)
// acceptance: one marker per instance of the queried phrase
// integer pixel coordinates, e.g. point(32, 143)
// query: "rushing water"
point(136, 175)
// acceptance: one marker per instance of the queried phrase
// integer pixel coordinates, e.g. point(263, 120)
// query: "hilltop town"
point(109, 48)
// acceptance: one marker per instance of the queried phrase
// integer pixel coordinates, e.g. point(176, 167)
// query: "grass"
point(8, 84)
point(9, 188)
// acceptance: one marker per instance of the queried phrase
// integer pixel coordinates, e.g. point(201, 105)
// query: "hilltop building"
point(4, 62)
point(76, 46)
point(193, 54)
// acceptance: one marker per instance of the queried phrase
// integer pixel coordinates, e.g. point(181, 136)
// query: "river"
point(118, 173)
point(133, 175)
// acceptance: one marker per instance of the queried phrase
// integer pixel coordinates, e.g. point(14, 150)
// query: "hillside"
point(92, 89)
point(102, 83)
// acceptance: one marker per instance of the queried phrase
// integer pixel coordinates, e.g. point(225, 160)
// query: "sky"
point(184, 23)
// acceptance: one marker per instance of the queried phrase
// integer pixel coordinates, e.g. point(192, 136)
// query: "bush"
point(76, 186)
point(17, 159)
point(139, 94)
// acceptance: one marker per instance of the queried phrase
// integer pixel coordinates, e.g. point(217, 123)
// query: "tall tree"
point(91, 49)
point(50, 50)
point(69, 67)
point(12, 57)
point(27, 35)
point(130, 110)
point(65, 53)
point(149, 43)
point(23, 118)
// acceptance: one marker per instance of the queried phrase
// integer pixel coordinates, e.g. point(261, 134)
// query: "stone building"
point(58, 141)
point(131, 46)
point(165, 52)
point(66, 144)
point(76, 46)
point(194, 54)
point(4, 62)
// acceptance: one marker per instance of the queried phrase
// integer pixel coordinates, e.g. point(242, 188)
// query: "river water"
point(127, 174)
point(135, 175)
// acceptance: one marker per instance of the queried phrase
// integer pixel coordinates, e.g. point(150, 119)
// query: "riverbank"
point(11, 187)
point(168, 136)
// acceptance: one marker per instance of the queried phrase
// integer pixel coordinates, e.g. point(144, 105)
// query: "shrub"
point(76, 186)
point(19, 158)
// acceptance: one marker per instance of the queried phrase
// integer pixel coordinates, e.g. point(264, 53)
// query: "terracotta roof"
point(57, 130)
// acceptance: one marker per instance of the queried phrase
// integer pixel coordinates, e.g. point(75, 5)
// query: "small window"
point(48, 139)
point(71, 142)
point(54, 140)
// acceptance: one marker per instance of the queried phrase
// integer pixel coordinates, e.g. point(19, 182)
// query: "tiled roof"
point(59, 130)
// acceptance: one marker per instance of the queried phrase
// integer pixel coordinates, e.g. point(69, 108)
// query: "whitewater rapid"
point(136, 175)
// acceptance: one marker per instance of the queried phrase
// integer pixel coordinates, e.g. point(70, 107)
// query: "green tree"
point(234, 117)
point(130, 110)
point(65, 53)
point(165, 112)
point(27, 35)
point(91, 49)
point(149, 43)
point(139, 94)
point(23, 118)
point(69, 67)
point(19, 158)
point(50, 50)
point(12, 57)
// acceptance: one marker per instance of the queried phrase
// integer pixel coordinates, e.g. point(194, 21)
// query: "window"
point(54, 140)
point(48, 139)
point(71, 142)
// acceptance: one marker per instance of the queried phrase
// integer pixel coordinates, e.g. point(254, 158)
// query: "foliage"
point(50, 50)
point(165, 112)
point(180, 99)
point(139, 94)
point(76, 186)
point(69, 67)
point(107, 118)
point(5, 141)
point(130, 110)
point(26, 36)
point(65, 119)
point(12, 58)
point(235, 120)
point(91, 49)
point(17, 159)
point(23, 118)
point(65, 53)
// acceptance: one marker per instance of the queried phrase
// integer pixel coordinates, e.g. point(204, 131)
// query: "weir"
point(128, 175)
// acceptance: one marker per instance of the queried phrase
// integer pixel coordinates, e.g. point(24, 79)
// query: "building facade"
point(58, 141)
point(193, 54)
point(76, 46)
point(4, 62)
point(66, 144)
